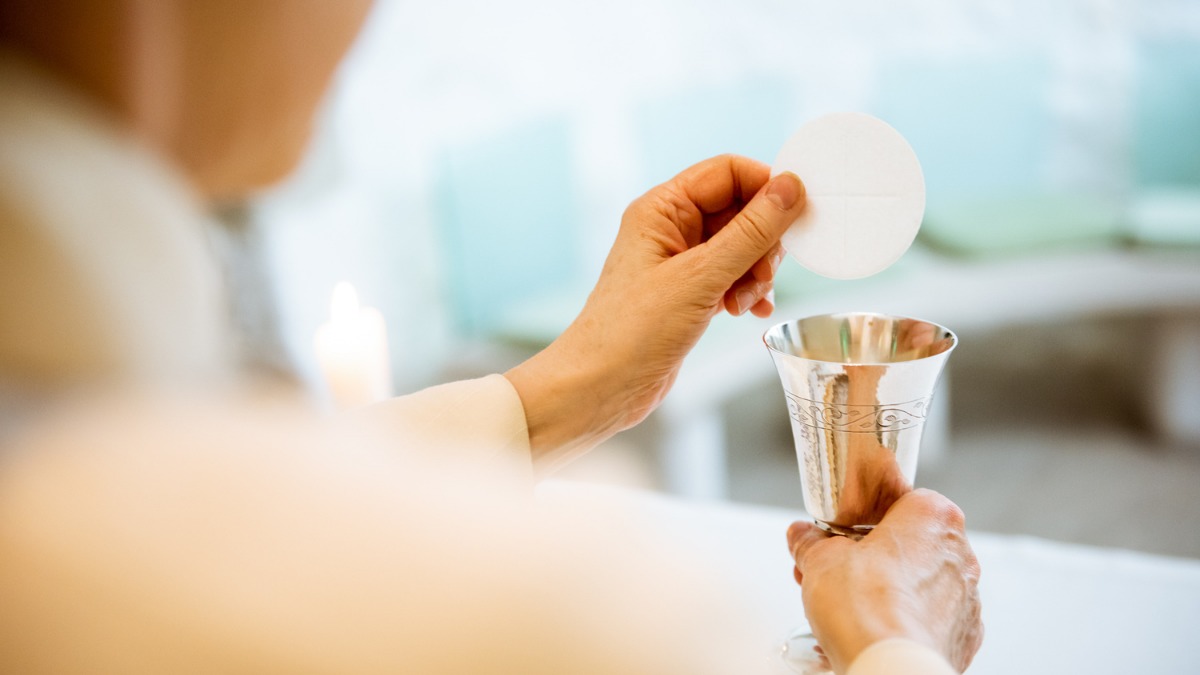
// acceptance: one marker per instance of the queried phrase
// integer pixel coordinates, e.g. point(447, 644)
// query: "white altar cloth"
point(1049, 608)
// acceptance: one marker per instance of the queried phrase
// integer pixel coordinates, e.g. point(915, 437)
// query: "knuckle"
point(755, 229)
point(941, 508)
point(971, 572)
point(664, 200)
point(668, 203)
point(953, 515)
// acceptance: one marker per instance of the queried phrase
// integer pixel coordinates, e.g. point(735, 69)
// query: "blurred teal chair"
point(506, 212)
point(1165, 203)
point(982, 130)
point(1166, 105)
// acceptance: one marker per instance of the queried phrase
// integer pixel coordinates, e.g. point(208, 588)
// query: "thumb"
point(922, 511)
point(754, 231)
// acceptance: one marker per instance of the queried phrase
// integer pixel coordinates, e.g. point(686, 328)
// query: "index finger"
point(802, 536)
point(720, 182)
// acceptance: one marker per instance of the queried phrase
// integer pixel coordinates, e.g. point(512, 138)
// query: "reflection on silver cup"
point(858, 387)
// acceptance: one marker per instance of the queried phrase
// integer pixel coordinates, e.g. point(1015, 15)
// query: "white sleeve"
point(898, 656)
point(478, 421)
point(159, 538)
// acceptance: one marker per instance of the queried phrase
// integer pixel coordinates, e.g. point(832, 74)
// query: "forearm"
point(571, 404)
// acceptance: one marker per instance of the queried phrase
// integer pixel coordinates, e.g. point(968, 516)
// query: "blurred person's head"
point(226, 88)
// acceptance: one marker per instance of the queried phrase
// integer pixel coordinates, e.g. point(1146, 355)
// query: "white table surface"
point(1048, 607)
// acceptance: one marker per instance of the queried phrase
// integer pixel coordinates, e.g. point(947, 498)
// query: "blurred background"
point(475, 157)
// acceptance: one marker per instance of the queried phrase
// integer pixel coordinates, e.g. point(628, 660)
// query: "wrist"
point(857, 626)
point(567, 403)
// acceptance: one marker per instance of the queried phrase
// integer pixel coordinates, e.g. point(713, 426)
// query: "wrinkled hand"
point(706, 239)
point(914, 576)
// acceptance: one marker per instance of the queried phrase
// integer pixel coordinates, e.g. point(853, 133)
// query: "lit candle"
point(352, 351)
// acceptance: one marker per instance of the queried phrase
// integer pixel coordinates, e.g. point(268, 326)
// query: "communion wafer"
point(865, 195)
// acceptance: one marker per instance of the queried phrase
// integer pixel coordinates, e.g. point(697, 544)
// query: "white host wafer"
point(866, 195)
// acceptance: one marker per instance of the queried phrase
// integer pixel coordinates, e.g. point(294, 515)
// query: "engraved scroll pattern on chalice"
point(831, 428)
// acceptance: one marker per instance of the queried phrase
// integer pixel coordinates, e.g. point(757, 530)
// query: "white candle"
point(352, 351)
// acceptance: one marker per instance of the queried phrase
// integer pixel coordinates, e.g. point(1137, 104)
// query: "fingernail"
point(745, 300)
point(784, 190)
point(776, 258)
point(770, 297)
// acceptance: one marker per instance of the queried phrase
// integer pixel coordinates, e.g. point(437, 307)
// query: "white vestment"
point(155, 518)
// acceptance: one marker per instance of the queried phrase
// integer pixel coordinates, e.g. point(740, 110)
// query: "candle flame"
point(343, 306)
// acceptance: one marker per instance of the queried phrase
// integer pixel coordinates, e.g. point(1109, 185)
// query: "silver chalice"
point(858, 389)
